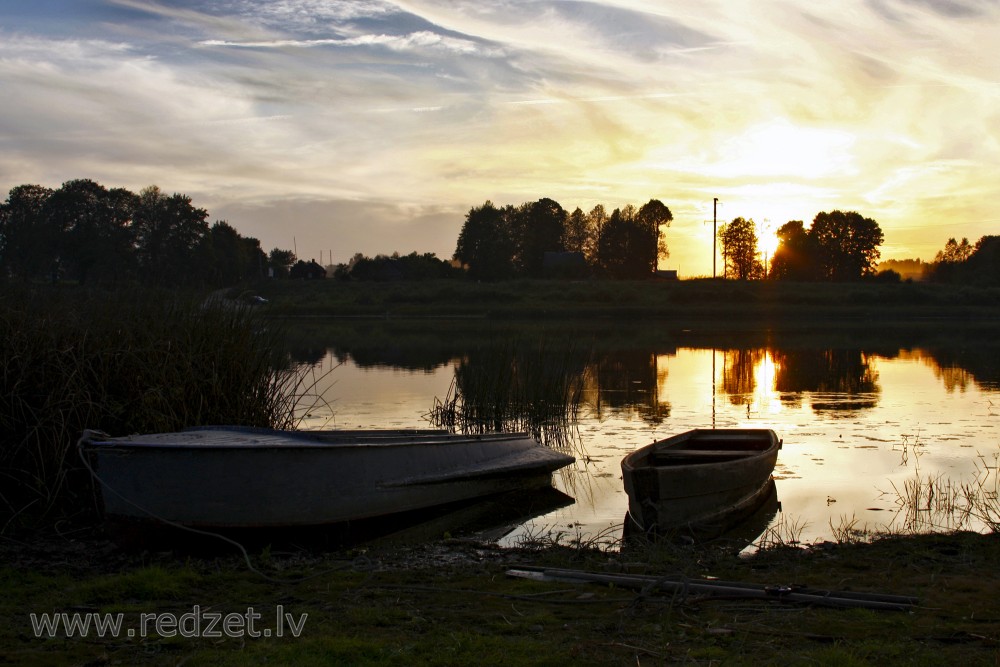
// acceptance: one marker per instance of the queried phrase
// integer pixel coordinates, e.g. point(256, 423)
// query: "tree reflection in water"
point(550, 375)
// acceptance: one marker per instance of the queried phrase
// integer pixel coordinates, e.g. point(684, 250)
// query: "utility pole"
point(715, 202)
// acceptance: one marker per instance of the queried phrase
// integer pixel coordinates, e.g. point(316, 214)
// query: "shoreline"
point(679, 302)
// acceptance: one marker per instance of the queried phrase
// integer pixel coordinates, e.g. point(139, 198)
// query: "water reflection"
point(625, 367)
point(515, 386)
point(627, 384)
point(836, 379)
point(860, 413)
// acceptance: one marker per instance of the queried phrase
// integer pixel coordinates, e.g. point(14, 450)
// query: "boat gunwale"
point(286, 440)
point(642, 458)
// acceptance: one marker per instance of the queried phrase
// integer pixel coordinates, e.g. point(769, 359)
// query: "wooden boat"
point(703, 481)
point(235, 477)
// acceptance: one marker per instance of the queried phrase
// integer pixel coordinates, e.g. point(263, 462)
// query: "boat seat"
point(703, 454)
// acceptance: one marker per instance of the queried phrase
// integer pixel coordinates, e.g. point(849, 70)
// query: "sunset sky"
point(351, 126)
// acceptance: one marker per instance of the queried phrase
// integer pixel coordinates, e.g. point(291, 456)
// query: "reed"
point(848, 531)
point(934, 503)
point(785, 533)
point(542, 538)
point(516, 386)
point(123, 363)
point(929, 503)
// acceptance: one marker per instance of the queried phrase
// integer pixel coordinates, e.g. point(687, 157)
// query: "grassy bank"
point(451, 604)
point(682, 303)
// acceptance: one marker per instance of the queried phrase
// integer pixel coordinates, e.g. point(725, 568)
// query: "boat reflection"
point(484, 519)
point(739, 531)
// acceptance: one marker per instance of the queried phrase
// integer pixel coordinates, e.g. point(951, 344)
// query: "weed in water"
point(516, 386)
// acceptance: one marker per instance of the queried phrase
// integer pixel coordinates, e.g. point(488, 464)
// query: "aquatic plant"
point(124, 363)
point(533, 537)
point(939, 503)
point(783, 533)
point(516, 386)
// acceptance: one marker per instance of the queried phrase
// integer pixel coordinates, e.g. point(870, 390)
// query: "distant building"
point(307, 271)
point(666, 274)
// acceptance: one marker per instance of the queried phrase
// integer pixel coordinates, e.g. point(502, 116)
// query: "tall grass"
point(516, 386)
point(122, 363)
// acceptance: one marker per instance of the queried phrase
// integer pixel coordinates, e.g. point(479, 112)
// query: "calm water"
point(861, 414)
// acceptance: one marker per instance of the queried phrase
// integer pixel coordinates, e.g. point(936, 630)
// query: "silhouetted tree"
point(396, 267)
point(577, 236)
point(739, 249)
point(795, 257)
point(846, 245)
point(984, 262)
point(630, 241)
point(613, 245)
point(232, 258)
point(949, 263)
point(486, 244)
point(310, 270)
point(955, 252)
point(170, 235)
point(28, 247)
point(541, 226)
point(94, 227)
point(596, 220)
point(652, 218)
point(280, 262)
point(90, 234)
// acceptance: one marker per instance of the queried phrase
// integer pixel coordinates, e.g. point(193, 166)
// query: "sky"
point(331, 127)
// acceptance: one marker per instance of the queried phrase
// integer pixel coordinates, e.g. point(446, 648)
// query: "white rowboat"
point(235, 477)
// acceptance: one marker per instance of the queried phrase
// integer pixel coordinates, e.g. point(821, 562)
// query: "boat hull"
point(702, 482)
point(252, 478)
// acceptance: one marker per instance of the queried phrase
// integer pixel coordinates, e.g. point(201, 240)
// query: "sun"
point(768, 243)
point(767, 239)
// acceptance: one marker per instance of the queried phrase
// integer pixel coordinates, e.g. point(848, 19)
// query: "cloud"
point(881, 105)
point(418, 41)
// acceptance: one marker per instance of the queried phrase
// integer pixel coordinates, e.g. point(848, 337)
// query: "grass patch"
point(448, 604)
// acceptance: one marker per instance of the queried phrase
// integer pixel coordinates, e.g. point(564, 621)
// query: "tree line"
point(86, 233)
point(966, 263)
point(497, 243)
point(839, 246)
point(843, 246)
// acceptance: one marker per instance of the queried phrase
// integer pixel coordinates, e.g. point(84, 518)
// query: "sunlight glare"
point(767, 397)
point(782, 148)
point(767, 239)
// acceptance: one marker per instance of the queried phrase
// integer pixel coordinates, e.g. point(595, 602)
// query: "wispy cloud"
point(784, 107)
point(417, 41)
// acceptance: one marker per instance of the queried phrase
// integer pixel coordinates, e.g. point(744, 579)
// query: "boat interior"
point(711, 447)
